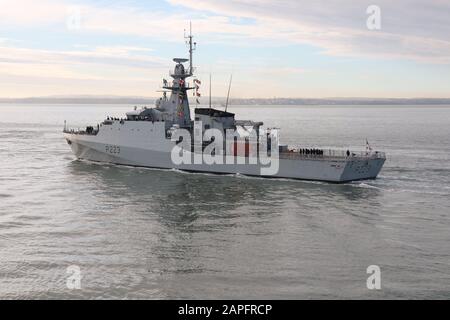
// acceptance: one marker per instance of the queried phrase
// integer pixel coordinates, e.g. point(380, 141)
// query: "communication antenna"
point(192, 47)
point(228, 95)
point(210, 91)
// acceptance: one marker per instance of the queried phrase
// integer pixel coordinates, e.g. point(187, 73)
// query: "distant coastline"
point(235, 101)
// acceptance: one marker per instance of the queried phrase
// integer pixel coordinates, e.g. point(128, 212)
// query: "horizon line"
point(106, 96)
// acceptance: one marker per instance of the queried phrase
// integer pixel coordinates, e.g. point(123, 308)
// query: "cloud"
point(414, 29)
point(124, 70)
point(130, 57)
point(31, 13)
point(417, 30)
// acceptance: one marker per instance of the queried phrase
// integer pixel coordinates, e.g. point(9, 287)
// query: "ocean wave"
point(364, 185)
point(6, 195)
point(418, 191)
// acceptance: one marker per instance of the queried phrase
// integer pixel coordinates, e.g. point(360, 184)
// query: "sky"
point(273, 48)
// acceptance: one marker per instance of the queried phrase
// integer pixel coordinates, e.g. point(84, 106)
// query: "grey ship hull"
point(329, 169)
point(144, 139)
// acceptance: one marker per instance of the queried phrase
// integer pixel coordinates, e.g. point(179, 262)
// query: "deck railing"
point(90, 130)
point(334, 154)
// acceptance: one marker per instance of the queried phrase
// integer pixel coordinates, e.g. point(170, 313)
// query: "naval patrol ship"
point(166, 137)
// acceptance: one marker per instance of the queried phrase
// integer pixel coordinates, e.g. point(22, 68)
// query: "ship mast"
point(210, 91)
point(228, 95)
point(192, 47)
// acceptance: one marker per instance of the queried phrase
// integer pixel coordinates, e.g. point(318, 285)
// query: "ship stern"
point(362, 169)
